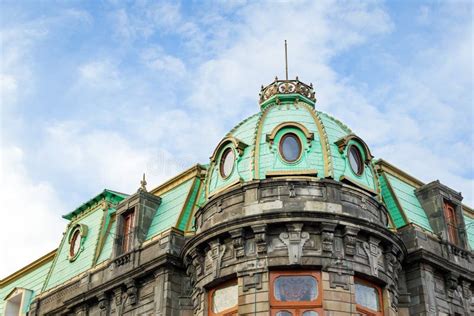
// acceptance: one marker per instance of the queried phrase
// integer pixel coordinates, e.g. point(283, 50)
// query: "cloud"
point(26, 206)
point(99, 75)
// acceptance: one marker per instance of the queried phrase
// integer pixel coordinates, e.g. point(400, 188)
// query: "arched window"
point(223, 300)
point(368, 298)
point(296, 293)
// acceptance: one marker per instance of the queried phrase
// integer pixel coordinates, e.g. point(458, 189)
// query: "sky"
point(94, 93)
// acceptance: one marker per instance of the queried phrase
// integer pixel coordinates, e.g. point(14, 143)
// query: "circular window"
point(355, 160)
point(75, 243)
point(290, 147)
point(227, 162)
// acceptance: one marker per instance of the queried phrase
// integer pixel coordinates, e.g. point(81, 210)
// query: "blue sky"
point(93, 93)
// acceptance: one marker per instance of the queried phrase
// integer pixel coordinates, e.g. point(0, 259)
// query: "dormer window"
point(451, 223)
point(16, 303)
point(127, 235)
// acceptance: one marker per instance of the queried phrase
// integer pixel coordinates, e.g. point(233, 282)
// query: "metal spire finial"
point(286, 60)
point(143, 183)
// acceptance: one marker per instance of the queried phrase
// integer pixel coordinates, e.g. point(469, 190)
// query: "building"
point(291, 216)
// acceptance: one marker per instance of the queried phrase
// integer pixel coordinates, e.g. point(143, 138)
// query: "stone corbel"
point(132, 291)
point(350, 240)
point(103, 304)
point(238, 242)
point(82, 310)
point(294, 240)
point(214, 255)
point(327, 237)
point(451, 283)
point(260, 232)
point(374, 253)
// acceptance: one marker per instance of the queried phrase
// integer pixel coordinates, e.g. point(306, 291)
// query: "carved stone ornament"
point(294, 240)
point(339, 274)
point(132, 292)
point(350, 240)
point(197, 263)
point(373, 253)
point(327, 237)
point(260, 238)
point(103, 303)
point(196, 298)
point(214, 255)
point(238, 242)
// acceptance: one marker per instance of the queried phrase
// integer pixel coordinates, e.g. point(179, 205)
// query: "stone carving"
point(238, 242)
point(215, 255)
point(291, 191)
point(132, 292)
point(339, 274)
point(373, 254)
point(294, 240)
point(260, 238)
point(327, 237)
point(103, 304)
point(196, 298)
point(253, 280)
point(350, 240)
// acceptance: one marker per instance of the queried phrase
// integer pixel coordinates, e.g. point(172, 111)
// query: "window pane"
point(227, 162)
point(296, 288)
point(224, 298)
point(367, 296)
point(355, 160)
point(284, 313)
point(310, 313)
point(290, 147)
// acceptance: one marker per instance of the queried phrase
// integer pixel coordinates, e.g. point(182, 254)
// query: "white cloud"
point(26, 206)
point(100, 75)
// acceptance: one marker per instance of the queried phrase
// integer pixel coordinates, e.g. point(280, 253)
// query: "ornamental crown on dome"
point(287, 87)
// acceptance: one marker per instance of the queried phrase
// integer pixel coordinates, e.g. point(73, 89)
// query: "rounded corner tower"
point(291, 213)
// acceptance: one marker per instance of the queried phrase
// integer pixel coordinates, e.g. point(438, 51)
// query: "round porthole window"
point(75, 243)
point(290, 147)
point(355, 160)
point(227, 162)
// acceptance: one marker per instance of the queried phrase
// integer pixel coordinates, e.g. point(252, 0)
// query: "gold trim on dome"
point(342, 144)
point(324, 140)
point(306, 172)
point(256, 156)
point(271, 137)
point(238, 145)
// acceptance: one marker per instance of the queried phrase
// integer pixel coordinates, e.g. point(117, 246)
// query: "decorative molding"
point(214, 255)
point(344, 141)
point(373, 252)
point(350, 240)
point(238, 242)
point(294, 240)
point(260, 238)
point(308, 135)
point(287, 87)
point(327, 237)
point(237, 144)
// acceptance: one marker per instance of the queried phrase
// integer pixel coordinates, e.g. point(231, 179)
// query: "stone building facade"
point(291, 216)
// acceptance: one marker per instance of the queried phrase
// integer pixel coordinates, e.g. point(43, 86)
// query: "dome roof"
point(323, 144)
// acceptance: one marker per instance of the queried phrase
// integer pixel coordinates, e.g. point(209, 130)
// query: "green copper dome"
point(320, 146)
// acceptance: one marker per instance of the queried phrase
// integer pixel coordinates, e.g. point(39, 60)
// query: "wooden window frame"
point(227, 312)
point(297, 308)
point(128, 224)
point(451, 222)
point(364, 309)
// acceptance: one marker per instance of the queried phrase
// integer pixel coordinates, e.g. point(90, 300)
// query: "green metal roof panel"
point(33, 281)
point(63, 269)
point(405, 194)
point(189, 206)
point(269, 158)
point(109, 195)
point(389, 200)
point(109, 241)
point(469, 222)
point(172, 202)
